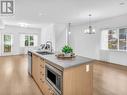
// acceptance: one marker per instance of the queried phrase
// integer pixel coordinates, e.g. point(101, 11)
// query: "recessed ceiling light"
point(23, 24)
point(42, 14)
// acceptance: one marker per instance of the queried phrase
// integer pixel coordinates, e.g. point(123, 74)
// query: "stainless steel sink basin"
point(45, 53)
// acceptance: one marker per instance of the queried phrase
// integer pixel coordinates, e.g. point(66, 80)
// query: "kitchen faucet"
point(42, 46)
point(49, 45)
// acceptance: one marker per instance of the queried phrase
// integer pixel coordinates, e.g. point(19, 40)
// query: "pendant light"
point(90, 29)
point(68, 33)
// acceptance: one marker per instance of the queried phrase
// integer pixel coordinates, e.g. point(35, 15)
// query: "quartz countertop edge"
point(64, 63)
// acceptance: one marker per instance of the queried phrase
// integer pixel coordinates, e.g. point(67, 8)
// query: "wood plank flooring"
point(14, 78)
point(110, 79)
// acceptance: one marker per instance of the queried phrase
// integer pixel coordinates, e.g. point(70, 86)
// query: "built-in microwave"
point(54, 77)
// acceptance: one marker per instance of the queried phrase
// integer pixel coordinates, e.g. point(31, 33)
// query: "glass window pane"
point(31, 41)
point(122, 38)
point(112, 39)
point(7, 43)
point(26, 40)
point(31, 44)
point(31, 38)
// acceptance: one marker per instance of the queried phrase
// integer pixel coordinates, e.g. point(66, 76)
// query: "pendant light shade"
point(68, 33)
point(90, 29)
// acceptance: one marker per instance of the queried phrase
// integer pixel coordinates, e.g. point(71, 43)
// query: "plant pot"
point(67, 54)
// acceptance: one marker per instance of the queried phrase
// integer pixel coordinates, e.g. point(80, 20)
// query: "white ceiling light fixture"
point(90, 29)
point(42, 14)
point(23, 24)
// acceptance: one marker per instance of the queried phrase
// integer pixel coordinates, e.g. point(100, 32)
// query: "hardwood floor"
point(14, 78)
point(110, 79)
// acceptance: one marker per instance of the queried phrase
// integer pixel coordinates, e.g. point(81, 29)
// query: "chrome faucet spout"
point(49, 45)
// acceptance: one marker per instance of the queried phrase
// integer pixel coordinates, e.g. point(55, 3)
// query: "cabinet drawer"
point(52, 92)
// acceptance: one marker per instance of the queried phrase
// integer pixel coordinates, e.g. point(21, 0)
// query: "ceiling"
point(64, 11)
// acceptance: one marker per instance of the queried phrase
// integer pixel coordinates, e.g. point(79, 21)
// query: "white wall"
point(48, 34)
point(60, 36)
point(16, 31)
point(84, 45)
point(89, 45)
point(45, 33)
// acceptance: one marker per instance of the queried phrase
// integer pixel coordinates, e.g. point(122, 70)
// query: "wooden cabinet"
point(45, 88)
point(48, 90)
point(38, 73)
point(35, 67)
point(38, 70)
point(78, 80)
point(41, 75)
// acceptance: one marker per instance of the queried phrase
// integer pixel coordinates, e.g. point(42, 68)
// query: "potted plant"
point(67, 50)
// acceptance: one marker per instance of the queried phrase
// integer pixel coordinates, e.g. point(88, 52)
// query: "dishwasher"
point(29, 63)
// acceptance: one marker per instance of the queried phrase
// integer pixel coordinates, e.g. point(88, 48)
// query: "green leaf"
point(67, 49)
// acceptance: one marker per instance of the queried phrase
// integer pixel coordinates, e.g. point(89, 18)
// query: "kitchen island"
point(56, 76)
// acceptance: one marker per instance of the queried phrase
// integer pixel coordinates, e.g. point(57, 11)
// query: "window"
point(28, 40)
point(123, 39)
point(7, 43)
point(114, 39)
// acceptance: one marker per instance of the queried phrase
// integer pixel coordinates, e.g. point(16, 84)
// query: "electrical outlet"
point(87, 68)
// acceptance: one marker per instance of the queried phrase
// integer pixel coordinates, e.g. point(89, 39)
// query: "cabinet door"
point(41, 73)
point(38, 73)
point(78, 80)
point(35, 68)
point(34, 61)
point(52, 92)
point(48, 90)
